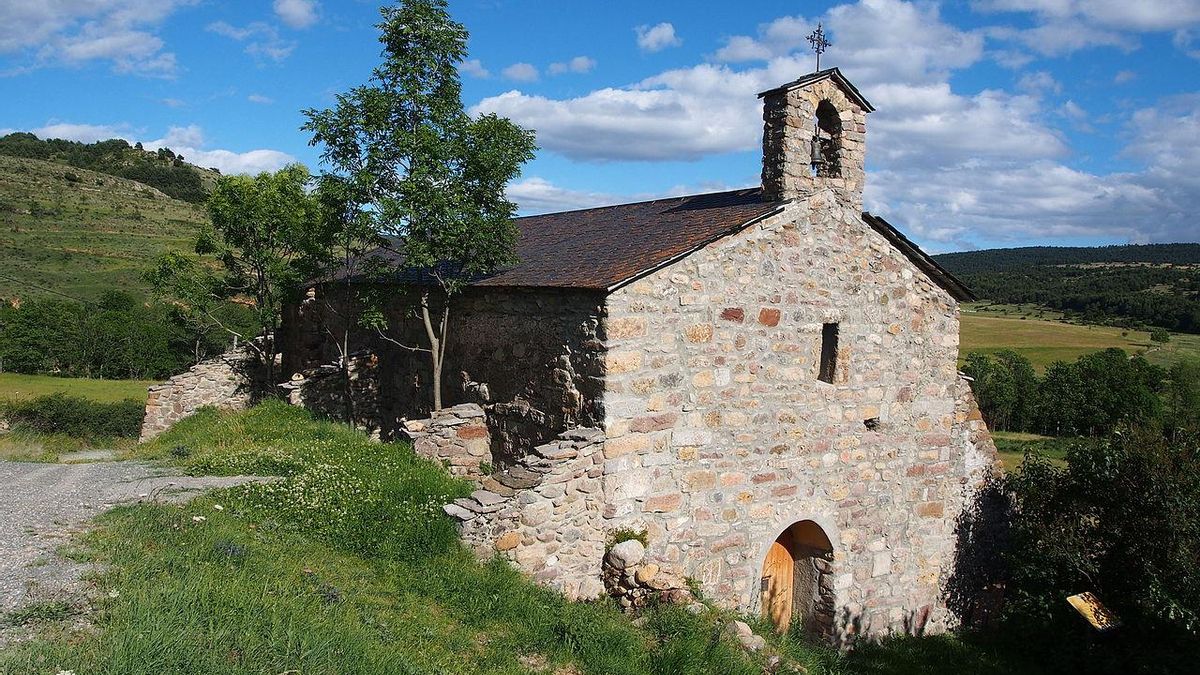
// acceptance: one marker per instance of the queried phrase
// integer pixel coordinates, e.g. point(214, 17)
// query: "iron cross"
point(819, 43)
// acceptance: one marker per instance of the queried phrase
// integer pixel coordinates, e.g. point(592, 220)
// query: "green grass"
point(18, 387)
point(1043, 341)
point(83, 237)
point(348, 566)
point(1012, 447)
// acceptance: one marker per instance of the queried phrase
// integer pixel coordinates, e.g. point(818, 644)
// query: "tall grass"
point(346, 565)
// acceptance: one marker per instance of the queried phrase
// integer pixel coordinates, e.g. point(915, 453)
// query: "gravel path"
point(43, 505)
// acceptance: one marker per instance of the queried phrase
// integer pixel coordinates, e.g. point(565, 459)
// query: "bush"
point(76, 416)
point(1121, 520)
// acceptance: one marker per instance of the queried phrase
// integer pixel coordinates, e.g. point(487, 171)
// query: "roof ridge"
point(644, 201)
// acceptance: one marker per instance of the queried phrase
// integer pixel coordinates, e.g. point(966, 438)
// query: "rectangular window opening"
point(829, 351)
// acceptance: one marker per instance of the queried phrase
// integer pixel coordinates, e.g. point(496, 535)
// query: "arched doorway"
point(797, 580)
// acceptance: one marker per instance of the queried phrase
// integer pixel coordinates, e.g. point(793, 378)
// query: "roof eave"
point(830, 73)
point(939, 275)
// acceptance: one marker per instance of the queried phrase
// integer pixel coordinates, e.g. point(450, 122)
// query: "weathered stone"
point(508, 541)
point(626, 554)
point(646, 573)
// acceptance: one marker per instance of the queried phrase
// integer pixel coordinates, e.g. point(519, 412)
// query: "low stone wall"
point(635, 581)
point(232, 381)
point(544, 514)
point(457, 437)
point(323, 391)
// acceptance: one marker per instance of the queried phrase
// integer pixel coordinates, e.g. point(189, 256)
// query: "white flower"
point(114, 593)
point(65, 672)
point(218, 507)
point(198, 519)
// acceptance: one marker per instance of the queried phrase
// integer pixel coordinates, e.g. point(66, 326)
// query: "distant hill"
point(1148, 285)
point(82, 232)
point(161, 169)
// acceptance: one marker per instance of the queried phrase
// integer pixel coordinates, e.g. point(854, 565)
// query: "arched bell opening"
point(797, 580)
point(827, 142)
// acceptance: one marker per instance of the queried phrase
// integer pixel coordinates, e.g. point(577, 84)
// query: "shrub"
point(626, 534)
point(76, 416)
point(1121, 520)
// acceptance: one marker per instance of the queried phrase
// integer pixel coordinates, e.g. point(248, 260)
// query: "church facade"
point(763, 381)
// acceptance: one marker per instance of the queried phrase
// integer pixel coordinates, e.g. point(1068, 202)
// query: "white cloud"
point(260, 99)
point(188, 141)
point(75, 32)
point(1186, 43)
point(1039, 81)
point(896, 52)
point(1144, 15)
point(1066, 26)
point(297, 13)
point(174, 102)
point(262, 39)
point(538, 195)
point(657, 37)
point(579, 64)
point(1124, 76)
point(474, 68)
point(521, 72)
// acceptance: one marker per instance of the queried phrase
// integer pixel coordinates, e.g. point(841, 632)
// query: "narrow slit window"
point(829, 351)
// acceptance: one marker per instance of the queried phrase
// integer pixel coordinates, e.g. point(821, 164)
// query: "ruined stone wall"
point(232, 381)
point(720, 435)
point(323, 391)
point(534, 352)
point(544, 514)
point(457, 437)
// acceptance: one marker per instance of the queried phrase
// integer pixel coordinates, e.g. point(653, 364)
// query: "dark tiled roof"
point(833, 74)
point(602, 247)
point(605, 247)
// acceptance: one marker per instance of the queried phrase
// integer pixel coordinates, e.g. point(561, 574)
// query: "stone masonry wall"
point(456, 437)
point(788, 119)
point(533, 352)
point(230, 381)
point(544, 514)
point(720, 435)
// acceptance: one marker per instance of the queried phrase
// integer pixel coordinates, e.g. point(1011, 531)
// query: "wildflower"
point(198, 519)
point(218, 507)
point(114, 593)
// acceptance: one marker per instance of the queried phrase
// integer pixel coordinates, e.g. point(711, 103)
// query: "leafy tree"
point(1183, 395)
point(427, 174)
point(1121, 520)
point(1160, 335)
point(253, 254)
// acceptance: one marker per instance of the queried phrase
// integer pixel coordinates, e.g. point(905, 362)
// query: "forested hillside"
point(161, 169)
point(1150, 285)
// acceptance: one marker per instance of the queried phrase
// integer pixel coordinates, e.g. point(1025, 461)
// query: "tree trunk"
point(436, 345)
point(349, 386)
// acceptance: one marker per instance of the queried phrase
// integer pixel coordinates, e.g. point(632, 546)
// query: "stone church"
point(763, 381)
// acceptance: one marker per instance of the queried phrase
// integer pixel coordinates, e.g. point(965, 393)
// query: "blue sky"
point(998, 123)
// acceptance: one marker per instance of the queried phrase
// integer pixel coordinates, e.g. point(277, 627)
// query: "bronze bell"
point(817, 157)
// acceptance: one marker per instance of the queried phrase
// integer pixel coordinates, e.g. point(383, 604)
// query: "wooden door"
point(777, 601)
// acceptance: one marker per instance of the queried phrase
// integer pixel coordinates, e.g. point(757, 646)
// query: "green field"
point(1044, 342)
point(14, 386)
point(82, 233)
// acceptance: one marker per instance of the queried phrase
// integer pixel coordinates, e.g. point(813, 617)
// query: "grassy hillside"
point(1044, 341)
point(81, 232)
